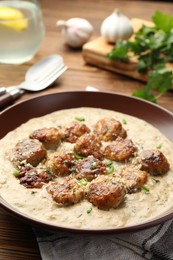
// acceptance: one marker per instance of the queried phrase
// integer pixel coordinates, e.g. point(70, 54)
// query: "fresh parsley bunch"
point(153, 47)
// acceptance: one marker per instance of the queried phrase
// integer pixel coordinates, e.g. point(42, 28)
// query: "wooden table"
point(17, 240)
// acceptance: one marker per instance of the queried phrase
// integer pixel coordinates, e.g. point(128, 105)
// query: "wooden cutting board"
point(95, 53)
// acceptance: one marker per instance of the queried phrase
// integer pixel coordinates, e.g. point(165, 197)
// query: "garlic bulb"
point(76, 31)
point(116, 27)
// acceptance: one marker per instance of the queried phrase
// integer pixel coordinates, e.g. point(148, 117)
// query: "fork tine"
point(52, 76)
point(50, 70)
point(45, 72)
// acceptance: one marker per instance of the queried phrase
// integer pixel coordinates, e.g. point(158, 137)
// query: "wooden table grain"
point(17, 240)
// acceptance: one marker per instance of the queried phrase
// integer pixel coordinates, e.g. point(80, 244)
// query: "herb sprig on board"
point(153, 48)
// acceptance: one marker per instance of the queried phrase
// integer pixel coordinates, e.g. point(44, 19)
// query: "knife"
point(9, 96)
point(2, 91)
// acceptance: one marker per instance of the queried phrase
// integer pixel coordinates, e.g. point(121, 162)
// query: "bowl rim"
point(37, 223)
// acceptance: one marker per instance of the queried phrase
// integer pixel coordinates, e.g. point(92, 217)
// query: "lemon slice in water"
point(13, 19)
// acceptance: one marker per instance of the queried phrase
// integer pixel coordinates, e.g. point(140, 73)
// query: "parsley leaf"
point(160, 79)
point(145, 93)
point(120, 52)
point(163, 21)
point(153, 48)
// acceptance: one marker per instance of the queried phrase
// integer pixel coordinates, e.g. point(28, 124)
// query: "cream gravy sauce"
point(137, 208)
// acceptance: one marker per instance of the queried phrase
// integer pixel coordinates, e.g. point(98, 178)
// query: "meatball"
point(74, 131)
point(60, 164)
point(154, 162)
point(89, 144)
point(105, 192)
point(120, 149)
point(50, 137)
point(66, 191)
point(89, 168)
point(33, 178)
point(133, 178)
point(109, 129)
point(28, 151)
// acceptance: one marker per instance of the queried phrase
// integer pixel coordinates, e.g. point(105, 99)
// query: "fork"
point(38, 84)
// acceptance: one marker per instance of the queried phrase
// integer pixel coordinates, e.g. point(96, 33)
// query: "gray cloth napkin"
point(154, 243)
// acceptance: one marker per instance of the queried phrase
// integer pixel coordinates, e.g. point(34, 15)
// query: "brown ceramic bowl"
point(39, 106)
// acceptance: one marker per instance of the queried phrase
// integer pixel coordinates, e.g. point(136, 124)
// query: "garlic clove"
point(76, 31)
point(83, 33)
point(116, 27)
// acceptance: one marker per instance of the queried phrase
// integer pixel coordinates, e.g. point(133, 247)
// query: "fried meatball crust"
point(28, 151)
point(73, 131)
point(133, 178)
point(109, 129)
point(120, 149)
point(60, 164)
point(89, 168)
point(33, 177)
point(50, 137)
point(89, 144)
point(66, 191)
point(105, 192)
point(154, 162)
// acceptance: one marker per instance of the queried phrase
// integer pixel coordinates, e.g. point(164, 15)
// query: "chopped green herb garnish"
point(83, 182)
point(110, 169)
point(80, 118)
point(110, 166)
point(159, 146)
point(153, 48)
point(49, 171)
point(155, 180)
point(73, 169)
point(79, 156)
point(106, 129)
point(23, 163)
point(94, 165)
point(145, 188)
point(124, 121)
point(33, 192)
point(108, 162)
point(89, 210)
point(16, 173)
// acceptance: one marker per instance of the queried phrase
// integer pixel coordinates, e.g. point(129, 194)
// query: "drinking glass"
point(21, 30)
